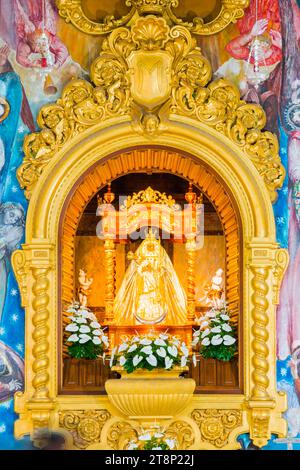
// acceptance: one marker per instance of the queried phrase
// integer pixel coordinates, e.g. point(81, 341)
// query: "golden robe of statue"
point(150, 292)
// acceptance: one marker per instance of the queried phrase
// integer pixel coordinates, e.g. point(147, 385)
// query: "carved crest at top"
point(146, 73)
point(230, 11)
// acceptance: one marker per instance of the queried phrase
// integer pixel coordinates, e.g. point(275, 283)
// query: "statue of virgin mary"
point(150, 292)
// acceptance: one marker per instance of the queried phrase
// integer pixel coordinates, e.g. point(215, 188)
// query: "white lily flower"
point(71, 327)
point(112, 356)
point(135, 339)
point(132, 348)
point(160, 342)
point(97, 332)
point(211, 314)
point(168, 363)
point(73, 338)
point(224, 316)
point(83, 314)
point(161, 352)
point(205, 342)
point(176, 342)
point(196, 333)
point(84, 329)
point(136, 360)
point(145, 341)
point(122, 361)
point(204, 323)
point(216, 340)
point(105, 341)
point(147, 350)
point(158, 435)
point(123, 347)
point(81, 320)
point(84, 338)
point(195, 342)
point(145, 437)
point(95, 324)
point(170, 443)
point(162, 336)
point(183, 361)
point(132, 446)
point(184, 349)
point(152, 360)
point(229, 340)
point(205, 333)
point(96, 340)
point(216, 329)
point(173, 351)
point(71, 310)
point(226, 327)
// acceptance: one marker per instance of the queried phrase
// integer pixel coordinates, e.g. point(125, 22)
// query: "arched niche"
point(37, 270)
point(206, 134)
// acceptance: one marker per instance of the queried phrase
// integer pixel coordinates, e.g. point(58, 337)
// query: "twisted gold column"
point(191, 283)
point(260, 333)
point(40, 333)
point(110, 278)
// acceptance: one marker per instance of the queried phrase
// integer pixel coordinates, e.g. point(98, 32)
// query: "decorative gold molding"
point(217, 425)
point(124, 87)
point(120, 433)
point(72, 12)
point(150, 196)
point(85, 426)
point(281, 264)
point(182, 433)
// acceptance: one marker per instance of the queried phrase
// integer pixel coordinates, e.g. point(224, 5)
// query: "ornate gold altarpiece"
point(151, 86)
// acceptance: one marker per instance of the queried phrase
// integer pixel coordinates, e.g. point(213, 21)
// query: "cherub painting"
point(11, 372)
point(34, 44)
point(37, 42)
point(12, 222)
point(263, 27)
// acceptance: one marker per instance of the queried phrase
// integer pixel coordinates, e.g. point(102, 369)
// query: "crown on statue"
point(146, 7)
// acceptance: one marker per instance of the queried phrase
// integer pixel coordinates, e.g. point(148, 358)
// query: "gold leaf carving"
point(119, 435)
point(149, 195)
point(216, 425)
point(147, 72)
point(72, 12)
point(182, 433)
point(84, 425)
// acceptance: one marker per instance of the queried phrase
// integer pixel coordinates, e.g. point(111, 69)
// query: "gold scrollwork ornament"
point(230, 11)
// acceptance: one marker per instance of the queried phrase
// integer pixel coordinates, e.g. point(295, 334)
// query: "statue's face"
point(11, 216)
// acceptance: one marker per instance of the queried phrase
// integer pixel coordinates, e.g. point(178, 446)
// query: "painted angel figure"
point(11, 372)
point(37, 42)
point(12, 222)
point(265, 31)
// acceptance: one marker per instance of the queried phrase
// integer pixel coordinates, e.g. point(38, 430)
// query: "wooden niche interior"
point(166, 171)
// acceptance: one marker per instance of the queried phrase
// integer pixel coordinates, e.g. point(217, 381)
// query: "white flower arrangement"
point(152, 439)
point(216, 337)
point(86, 339)
point(150, 352)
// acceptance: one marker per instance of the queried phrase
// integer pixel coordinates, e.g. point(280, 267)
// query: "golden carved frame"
point(209, 124)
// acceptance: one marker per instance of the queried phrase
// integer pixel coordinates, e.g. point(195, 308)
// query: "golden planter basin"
point(158, 393)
